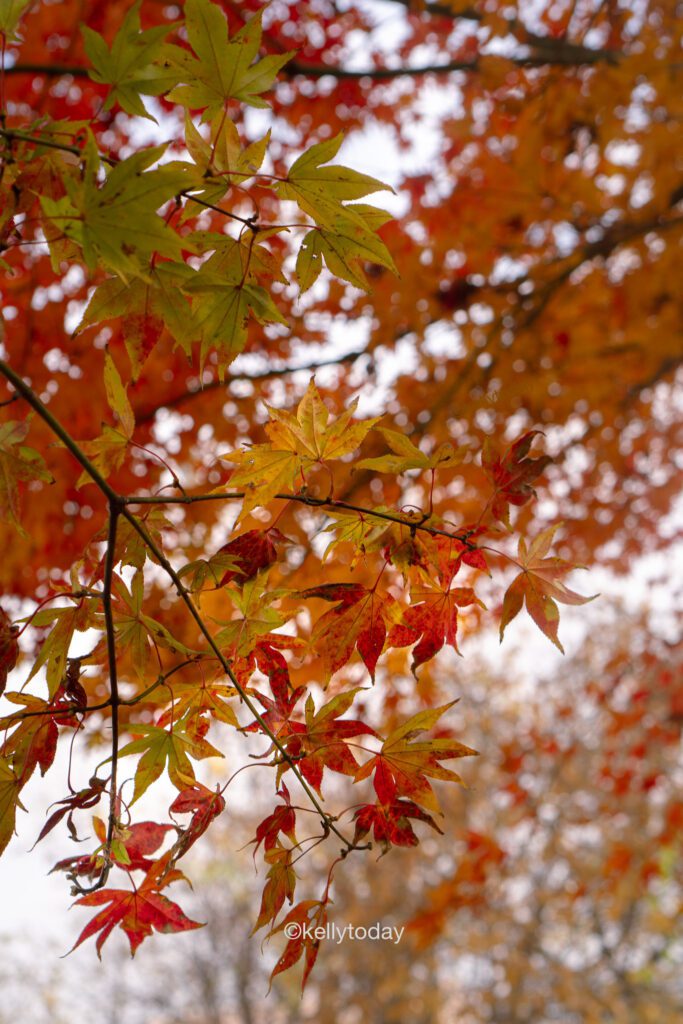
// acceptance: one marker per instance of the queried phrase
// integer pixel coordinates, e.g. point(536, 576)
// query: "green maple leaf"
point(146, 305)
point(128, 67)
point(321, 191)
point(258, 617)
point(166, 749)
point(222, 68)
point(116, 222)
point(222, 310)
point(220, 159)
point(136, 631)
point(55, 648)
point(344, 248)
point(11, 12)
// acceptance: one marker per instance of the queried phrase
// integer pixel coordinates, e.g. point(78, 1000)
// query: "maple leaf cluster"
point(192, 250)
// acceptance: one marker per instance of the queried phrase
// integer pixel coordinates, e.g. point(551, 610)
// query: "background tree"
point(534, 263)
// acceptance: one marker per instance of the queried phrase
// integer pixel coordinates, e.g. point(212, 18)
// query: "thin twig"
point(114, 700)
point(304, 499)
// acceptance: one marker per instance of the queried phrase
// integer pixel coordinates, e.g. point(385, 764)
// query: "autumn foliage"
point(238, 549)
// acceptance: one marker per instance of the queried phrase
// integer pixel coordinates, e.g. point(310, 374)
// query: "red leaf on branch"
point(539, 586)
point(358, 621)
point(283, 819)
point(205, 805)
point(401, 767)
point(390, 824)
point(137, 912)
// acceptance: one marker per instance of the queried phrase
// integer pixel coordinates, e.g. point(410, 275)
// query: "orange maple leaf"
point(538, 585)
point(401, 767)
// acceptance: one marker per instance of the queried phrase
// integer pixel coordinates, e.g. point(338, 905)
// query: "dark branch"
point(307, 499)
point(144, 415)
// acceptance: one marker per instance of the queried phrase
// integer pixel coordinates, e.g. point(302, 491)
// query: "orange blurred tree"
point(534, 263)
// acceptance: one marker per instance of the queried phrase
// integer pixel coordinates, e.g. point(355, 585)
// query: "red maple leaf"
point(301, 923)
point(401, 767)
point(390, 823)
point(321, 742)
point(138, 912)
point(283, 819)
point(512, 474)
point(358, 620)
point(205, 805)
point(431, 620)
point(251, 552)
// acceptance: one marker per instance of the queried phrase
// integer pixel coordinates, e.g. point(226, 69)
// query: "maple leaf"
point(54, 651)
point(203, 571)
point(283, 819)
point(279, 887)
point(254, 601)
point(221, 160)
point(359, 620)
point(146, 305)
point(512, 474)
point(302, 940)
point(407, 456)
point(221, 311)
point(33, 741)
point(321, 191)
point(165, 749)
point(297, 442)
point(135, 631)
point(250, 553)
point(10, 787)
point(539, 587)
point(401, 767)
point(107, 453)
point(344, 248)
point(431, 620)
point(116, 222)
point(278, 711)
point(196, 699)
point(128, 67)
point(223, 68)
point(363, 532)
point(204, 804)
point(390, 823)
point(9, 648)
point(137, 912)
point(18, 463)
point(322, 743)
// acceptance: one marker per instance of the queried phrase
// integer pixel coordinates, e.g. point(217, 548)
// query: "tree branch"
point(149, 413)
point(566, 55)
point(114, 512)
point(306, 499)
